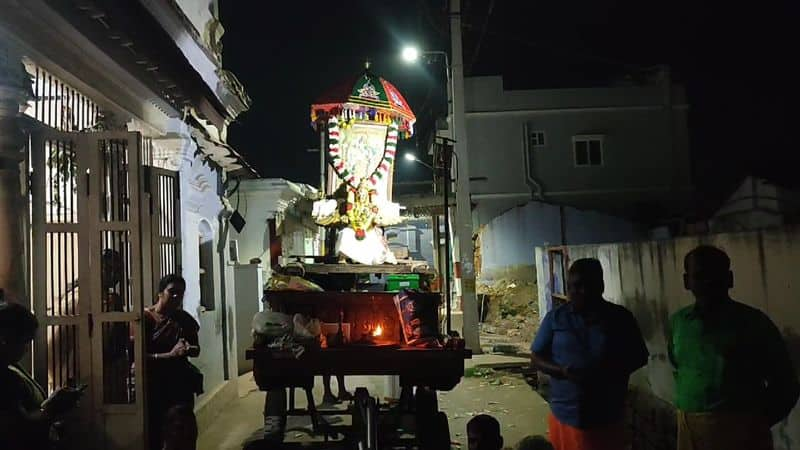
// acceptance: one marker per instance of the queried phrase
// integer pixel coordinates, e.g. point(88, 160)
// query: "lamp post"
point(447, 148)
point(412, 54)
point(463, 218)
point(446, 152)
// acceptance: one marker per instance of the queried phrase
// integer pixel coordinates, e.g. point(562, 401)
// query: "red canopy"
point(366, 97)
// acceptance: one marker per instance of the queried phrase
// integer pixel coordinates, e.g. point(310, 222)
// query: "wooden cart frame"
point(414, 422)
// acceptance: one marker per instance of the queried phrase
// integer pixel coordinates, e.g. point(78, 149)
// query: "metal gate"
point(164, 200)
point(87, 277)
point(59, 258)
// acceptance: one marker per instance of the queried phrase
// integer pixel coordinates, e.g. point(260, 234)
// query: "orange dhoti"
point(604, 437)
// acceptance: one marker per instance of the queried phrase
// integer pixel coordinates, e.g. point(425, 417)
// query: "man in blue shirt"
point(589, 347)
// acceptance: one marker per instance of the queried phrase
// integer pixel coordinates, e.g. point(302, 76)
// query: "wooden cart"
point(414, 422)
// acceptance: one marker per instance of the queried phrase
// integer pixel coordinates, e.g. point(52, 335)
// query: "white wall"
point(257, 204)
point(509, 239)
point(646, 278)
point(200, 203)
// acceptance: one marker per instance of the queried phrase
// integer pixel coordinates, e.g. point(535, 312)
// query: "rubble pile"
point(512, 317)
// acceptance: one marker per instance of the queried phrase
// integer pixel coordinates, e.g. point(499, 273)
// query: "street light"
point(413, 158)
point(411, 54)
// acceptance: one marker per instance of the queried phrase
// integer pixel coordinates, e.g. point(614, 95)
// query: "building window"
point(206, 266)
point(537, 139)
point(588, 151)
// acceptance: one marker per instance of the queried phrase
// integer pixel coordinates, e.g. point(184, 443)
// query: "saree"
point(170, 382)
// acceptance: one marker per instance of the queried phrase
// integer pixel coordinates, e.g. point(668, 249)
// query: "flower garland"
point(385, 165)
point(361, 210)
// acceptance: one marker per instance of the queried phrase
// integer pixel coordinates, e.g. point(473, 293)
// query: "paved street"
point(520, 410)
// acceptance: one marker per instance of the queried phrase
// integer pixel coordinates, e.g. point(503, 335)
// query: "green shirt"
point(734, 360)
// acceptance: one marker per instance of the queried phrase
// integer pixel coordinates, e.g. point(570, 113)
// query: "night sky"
point(736, 61)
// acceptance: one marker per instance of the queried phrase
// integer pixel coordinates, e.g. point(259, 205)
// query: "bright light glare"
point(410, 54)
point(410, 157)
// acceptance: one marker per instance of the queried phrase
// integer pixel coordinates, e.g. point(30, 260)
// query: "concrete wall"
point(416, 235)
point(249, 291)
point(260, 200)
point(257, 201)
point(641, 162)
point(646, 278)
point(200, 208)
point(509, 240)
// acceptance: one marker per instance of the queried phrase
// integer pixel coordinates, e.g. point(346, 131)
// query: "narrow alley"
point(386, 225)
point(521, 411)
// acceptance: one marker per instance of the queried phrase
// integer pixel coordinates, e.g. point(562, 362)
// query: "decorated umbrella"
point(369, 98)
point(364, 117)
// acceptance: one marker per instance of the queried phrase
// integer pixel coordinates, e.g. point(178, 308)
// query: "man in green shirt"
point(733, 375)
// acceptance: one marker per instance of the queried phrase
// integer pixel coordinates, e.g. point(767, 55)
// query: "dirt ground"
point(503, 394)
point(511, 309)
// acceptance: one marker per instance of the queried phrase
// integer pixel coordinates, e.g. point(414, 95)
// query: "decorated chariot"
point(373, 332)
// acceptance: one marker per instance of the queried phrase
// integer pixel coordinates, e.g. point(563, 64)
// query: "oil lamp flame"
point(377, 331)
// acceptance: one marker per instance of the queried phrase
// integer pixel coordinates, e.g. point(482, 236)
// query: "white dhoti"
point(370, 250)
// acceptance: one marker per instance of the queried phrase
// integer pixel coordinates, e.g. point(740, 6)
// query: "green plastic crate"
point(396, 282)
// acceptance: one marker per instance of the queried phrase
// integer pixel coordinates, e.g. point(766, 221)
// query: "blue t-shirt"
point(583, 342)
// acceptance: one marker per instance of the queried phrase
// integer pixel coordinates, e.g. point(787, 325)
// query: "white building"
point(118, 111)
point(620, 150)
point(277, 224)
point(757, 204)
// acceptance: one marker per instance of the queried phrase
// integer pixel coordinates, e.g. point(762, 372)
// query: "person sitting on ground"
point(483, 433)
point(180, 428)
point(534, 443)
point(26, 414)
point(734, 377)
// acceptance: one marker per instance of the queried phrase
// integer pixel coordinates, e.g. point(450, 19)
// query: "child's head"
point(483, 433)
point(180, 428)
point(533, 443)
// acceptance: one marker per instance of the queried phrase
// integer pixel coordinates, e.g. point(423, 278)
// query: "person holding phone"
point(171, 337)
point(26, 413)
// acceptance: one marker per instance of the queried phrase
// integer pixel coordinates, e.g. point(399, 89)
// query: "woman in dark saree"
point(171, 337)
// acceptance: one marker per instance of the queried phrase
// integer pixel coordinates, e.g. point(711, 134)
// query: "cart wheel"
point(434, 434)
